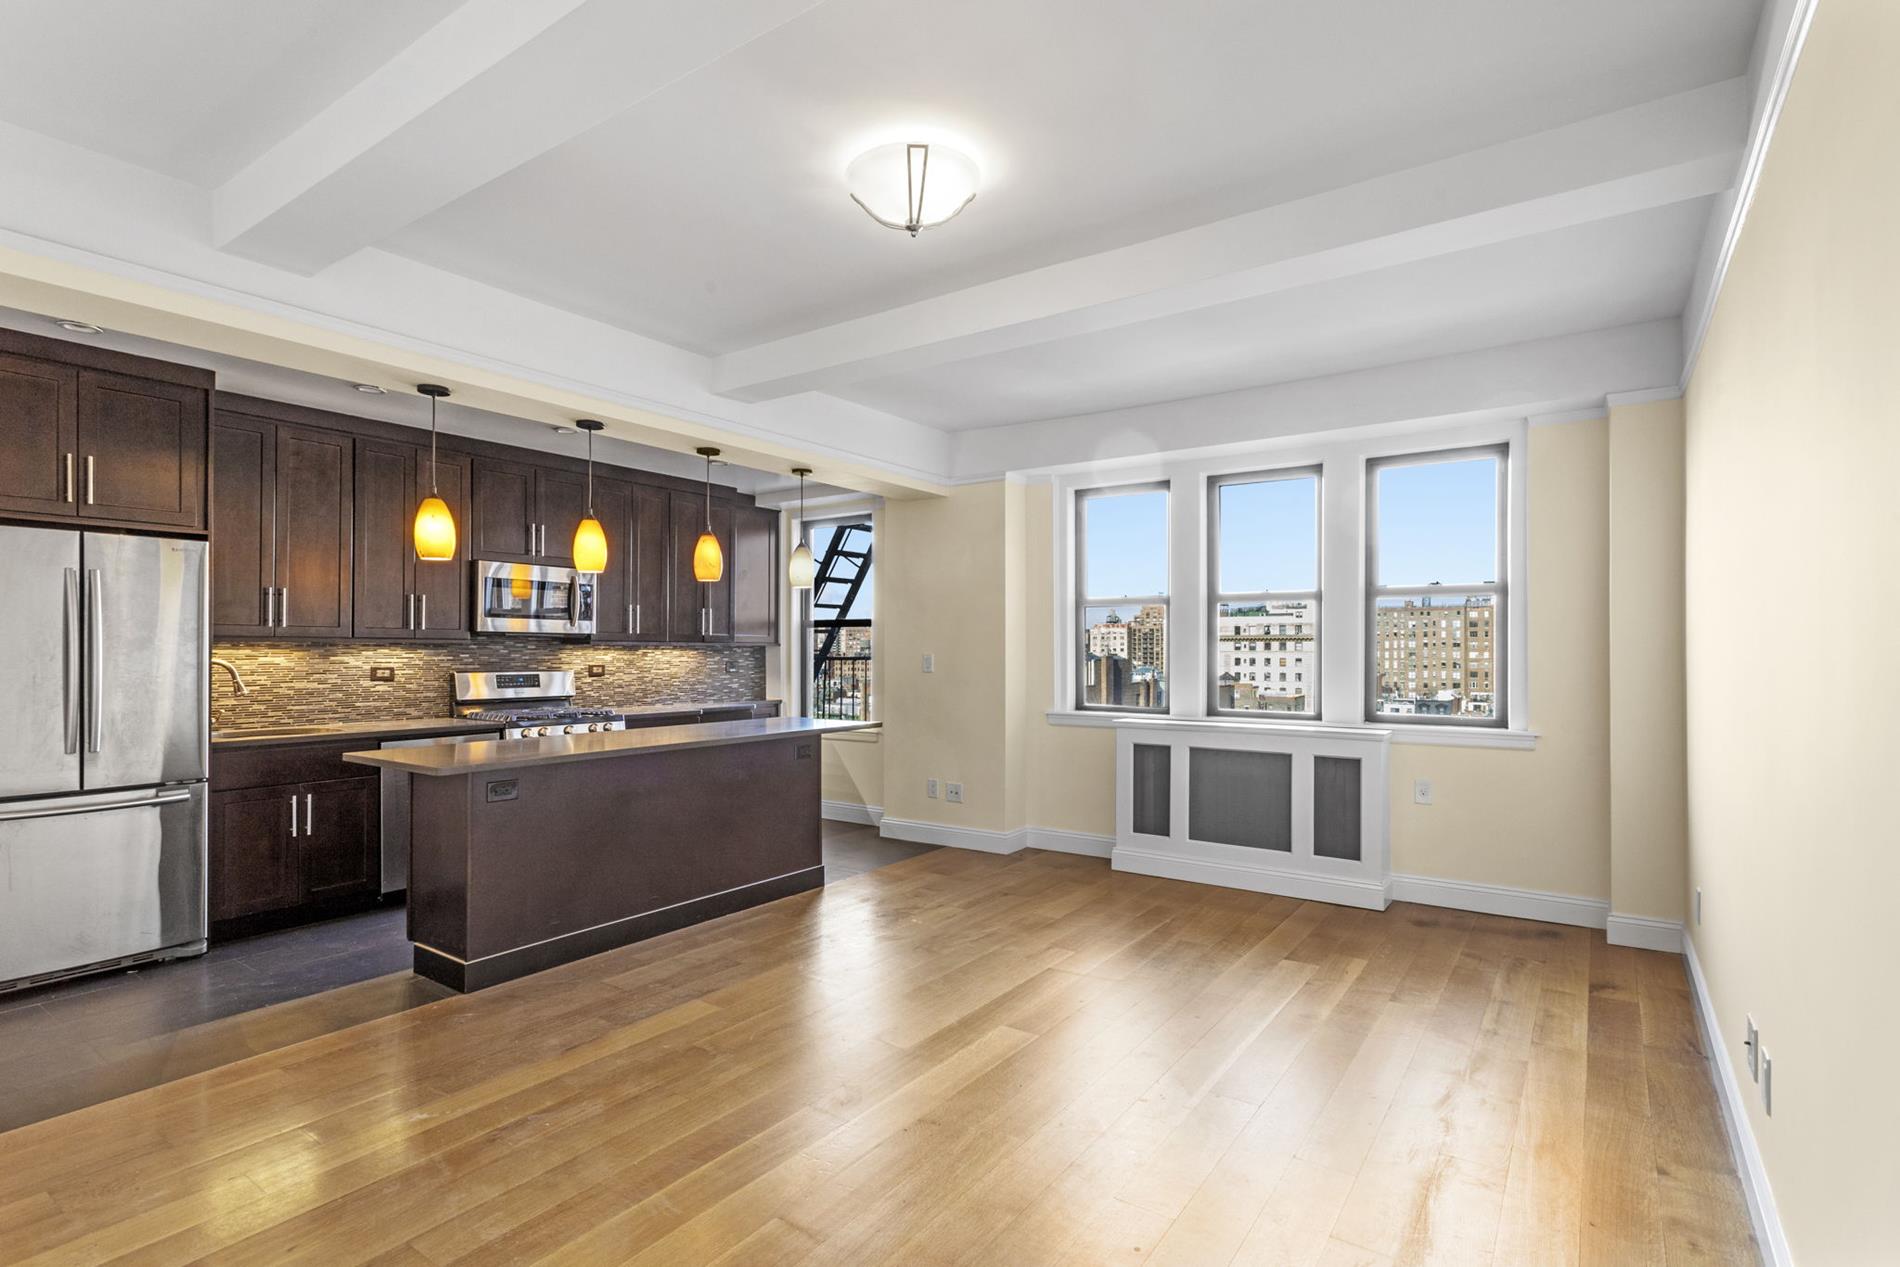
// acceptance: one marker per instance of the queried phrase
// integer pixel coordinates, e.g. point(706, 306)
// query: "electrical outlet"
point(930, 788)
point(953, 792)
point(1698, 906)
point(382, 673)
point(1421, 791)
point(1767, 1083)
point(1752, 1041)
point(930, 663)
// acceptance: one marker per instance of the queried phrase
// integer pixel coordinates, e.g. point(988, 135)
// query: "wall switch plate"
point(930, 788)
point(1421, 791)
point(953, 792)
point(930, 663)
point(1767, 1083)
point(1698, 906)
point(596, 670)
point(1752, 1041)
point(382, 673)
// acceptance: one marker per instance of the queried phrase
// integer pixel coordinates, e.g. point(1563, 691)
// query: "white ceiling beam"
point(1661, 152)
point(494, 84)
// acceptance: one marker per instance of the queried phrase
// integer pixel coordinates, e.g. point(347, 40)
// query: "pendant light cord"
point(709, 494)
point(433, 490)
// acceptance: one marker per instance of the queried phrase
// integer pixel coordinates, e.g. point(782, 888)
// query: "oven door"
point(522, 598)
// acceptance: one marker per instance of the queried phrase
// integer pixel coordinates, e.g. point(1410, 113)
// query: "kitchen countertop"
point(681, 710)
point(510, 754)
point(332, 732)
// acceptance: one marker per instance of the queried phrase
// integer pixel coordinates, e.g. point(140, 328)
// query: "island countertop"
point(512, 754)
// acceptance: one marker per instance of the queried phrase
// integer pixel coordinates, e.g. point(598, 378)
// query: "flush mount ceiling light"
point(435, 526)
point(76, 326)
point(803, 569)
point(590, 540)
point(709, 561)
point(911, 187)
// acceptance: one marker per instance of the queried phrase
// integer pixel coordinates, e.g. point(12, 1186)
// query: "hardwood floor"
point(959, 1058)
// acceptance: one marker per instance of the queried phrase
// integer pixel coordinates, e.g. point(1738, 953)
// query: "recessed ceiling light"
point(369, 389)
point(77, 326)
point(561, 431)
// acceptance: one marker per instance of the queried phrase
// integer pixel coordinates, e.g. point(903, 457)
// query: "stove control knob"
point(539, 731)
point(569, 730)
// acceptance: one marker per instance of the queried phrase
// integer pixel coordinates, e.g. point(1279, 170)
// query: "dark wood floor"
point(66, 1046)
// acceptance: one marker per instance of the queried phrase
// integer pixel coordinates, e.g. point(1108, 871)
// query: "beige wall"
point(1539, 819)
point(1649, 818)
point(853, 772)
point(1793, 531)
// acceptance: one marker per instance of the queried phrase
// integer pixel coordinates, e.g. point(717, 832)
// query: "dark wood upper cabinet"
point(39, 434)
point(502, 516)
point(243, 525)
point(560, 501)
point(141, 451)
point(395, 594)
point(753, 563)
point(701, 611)
point(631, 595)
point(315, 484)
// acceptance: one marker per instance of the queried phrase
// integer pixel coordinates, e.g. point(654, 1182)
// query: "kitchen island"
point(527, 853)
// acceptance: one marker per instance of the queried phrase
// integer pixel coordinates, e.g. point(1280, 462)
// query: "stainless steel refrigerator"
point(103, 640)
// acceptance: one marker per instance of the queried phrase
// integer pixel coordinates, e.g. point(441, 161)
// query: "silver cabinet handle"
point(283, 606)
point(89, 479)
point(96, 675)
point(631, 626)
point(424, 616)
point(309, 814)
point(636, 618)
point(293, 816)
point(269, 606)
point(72, 485)
point(72, 660)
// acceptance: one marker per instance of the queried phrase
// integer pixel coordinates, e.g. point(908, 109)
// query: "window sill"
point(1442, 736)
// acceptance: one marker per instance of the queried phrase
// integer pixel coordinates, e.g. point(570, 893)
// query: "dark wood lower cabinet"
point(291, 852)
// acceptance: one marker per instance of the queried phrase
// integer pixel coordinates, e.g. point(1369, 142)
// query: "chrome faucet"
point(237, 678)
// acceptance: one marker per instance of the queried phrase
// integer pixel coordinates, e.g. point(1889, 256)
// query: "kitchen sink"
point(275, 732)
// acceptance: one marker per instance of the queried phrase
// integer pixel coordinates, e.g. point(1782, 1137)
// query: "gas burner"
point(545, 708)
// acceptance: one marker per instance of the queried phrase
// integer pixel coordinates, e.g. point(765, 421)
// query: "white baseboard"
point(1059, 841)
point(1296, 884)
point(981, 839)
point(1494, 899)
point(851, 812)
point(1644, 933)
point(1769, 1234)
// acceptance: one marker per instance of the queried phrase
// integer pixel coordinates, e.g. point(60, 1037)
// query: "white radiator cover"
point(1228, 805)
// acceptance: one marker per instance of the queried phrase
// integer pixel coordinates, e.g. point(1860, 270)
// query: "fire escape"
point(842, 571)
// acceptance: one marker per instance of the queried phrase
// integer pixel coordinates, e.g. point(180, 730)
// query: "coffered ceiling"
point(640, 202)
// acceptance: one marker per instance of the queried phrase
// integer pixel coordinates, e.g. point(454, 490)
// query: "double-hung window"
point(1121, 598)
point(1264, 583)
point(1436, 598)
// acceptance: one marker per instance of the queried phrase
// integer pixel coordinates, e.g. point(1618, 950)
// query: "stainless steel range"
point(532, 705)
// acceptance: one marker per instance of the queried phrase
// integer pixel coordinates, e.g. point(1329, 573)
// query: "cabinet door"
point(442, 587)
point(701, 611)
point(503, 513)
point(39, 436)
point(340, 839)
point(253, 858)
point(651, 577)
point(243, 525)
point(314, 494)
point(561, 501)
point(613, 589)
point(141, 450)
point(755, 575)
point(383, 559)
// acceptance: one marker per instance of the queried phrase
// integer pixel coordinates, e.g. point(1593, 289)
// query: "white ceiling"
point(1178, 200)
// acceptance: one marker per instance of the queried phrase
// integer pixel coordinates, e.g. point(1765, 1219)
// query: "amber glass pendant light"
point(803, 568)
point(435, 526)
point(590, 541)
point(709, 561)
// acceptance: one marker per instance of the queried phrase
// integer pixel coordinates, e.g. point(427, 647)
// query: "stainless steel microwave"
point(529, 598)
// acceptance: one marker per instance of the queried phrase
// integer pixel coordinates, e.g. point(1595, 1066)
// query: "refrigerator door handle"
point(96, 666)
point(90, 806)
point(72, 661)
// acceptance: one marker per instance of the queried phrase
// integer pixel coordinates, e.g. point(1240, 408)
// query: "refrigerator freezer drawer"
point(91, 880)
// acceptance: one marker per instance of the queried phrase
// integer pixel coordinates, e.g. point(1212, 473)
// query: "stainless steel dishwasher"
point(395, 813)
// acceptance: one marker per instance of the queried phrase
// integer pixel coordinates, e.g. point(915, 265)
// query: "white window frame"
point(1216, 597)
point(1499, 589)
point(1342, 457)
point(1083, 601)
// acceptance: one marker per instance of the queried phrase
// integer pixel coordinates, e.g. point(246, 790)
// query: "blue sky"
point(1438, 522)
point(860, 609)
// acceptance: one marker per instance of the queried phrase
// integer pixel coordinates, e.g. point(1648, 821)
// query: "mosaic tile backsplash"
point(293, 683)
